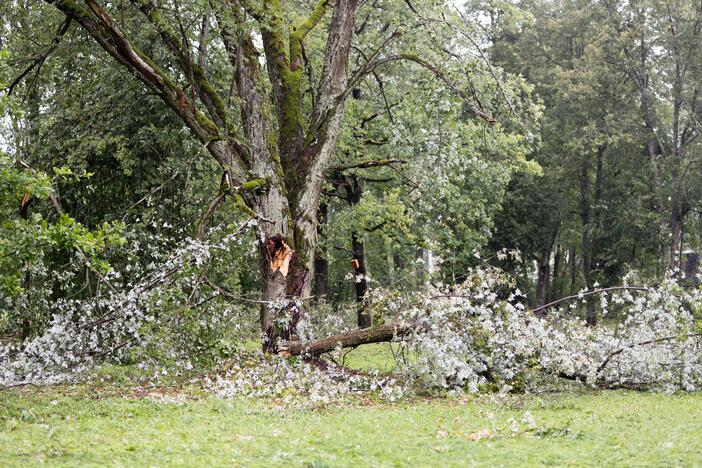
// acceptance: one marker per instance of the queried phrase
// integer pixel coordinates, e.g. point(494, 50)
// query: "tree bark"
point(321, 262)
point(585, 244)
point(27, 281)
point(542, 278)
point(360, 280)
point(573, 268)
point(555, 290)
point(381, 334)
point(676, 215)
point(353, 187)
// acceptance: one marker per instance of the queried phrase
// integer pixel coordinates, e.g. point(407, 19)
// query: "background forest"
point(554, 142)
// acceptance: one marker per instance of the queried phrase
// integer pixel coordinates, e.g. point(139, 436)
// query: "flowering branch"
point(588, 293)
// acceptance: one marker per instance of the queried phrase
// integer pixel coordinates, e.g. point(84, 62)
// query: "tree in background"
point(619, 137)
point(262, 89)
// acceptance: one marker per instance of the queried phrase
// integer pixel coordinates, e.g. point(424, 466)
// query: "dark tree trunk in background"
point(676, 215)
point(598, 200)
point(573, 269)
point(27, 281)
point(691, 269)
point(542, 278)
point(350, 188)
point(321, 275)
point(585, 243)
point(360, 280)
point(676, 211)
point(397, 261)
point(658, 202)
point(555, 291)
point(321, 262)
point(354, 191)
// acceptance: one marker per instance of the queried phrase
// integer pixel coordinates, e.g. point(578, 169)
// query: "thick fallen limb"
point(383, 333)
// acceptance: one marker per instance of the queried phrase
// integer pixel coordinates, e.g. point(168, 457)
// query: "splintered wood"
point(279, 255)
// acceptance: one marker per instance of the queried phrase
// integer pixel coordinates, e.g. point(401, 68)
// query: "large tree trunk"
point(282, 277)
point(380, 334)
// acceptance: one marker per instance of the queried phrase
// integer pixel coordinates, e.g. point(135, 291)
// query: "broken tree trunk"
point(380, 334)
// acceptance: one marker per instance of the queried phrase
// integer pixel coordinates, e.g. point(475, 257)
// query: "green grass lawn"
point(79, 426)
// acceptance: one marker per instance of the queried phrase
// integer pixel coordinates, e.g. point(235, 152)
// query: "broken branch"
point(366, 164)
point(380, 334)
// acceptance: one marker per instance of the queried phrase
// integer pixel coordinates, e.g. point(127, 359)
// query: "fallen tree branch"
point(237, 297)
point(602, 366)
point(380, 334)
point(588, 293)
point(389, 332)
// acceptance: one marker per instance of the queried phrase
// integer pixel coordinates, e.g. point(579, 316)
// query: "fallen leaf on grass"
point(481, 434)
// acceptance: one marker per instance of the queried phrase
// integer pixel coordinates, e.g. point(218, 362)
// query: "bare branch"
point(367, 164)
point(609, 357)
point(207, 215)
point(204, 38)
point(587, 293)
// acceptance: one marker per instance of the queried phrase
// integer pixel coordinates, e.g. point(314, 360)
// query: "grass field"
point(69, 427)
point(123, 425)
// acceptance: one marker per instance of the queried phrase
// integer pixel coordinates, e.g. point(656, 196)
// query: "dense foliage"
point(172, 173)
